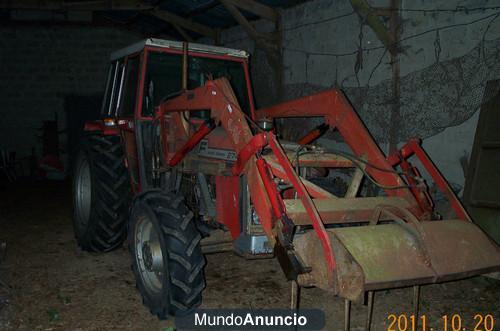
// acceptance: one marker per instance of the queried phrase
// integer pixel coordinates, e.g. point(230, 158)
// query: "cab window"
point(164, 78)
point(112, 88)
point(129, 89)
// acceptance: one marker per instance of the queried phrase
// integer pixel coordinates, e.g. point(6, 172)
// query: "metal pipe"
point(347, 315)
point(295, 296)
point(203, 130)
point(416, 301)
point(313, 134)
point(185, 82)
point(184, 66)
point(370, 311)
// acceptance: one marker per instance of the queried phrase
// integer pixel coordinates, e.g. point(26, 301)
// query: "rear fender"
point(99, 126)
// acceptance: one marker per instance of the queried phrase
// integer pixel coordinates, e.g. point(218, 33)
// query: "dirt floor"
point(47, 283)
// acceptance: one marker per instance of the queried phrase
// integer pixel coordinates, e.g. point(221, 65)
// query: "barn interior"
point(420, 71)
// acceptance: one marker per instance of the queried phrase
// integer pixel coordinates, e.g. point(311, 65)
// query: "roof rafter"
point(256, 8)
point(179, 23)
point(75, 5)
point(200, 10)
point(238, 16)
point(242, 20)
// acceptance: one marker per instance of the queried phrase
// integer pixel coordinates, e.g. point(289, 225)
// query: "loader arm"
point(338, 113)
point(409, 250)
point(218, 97)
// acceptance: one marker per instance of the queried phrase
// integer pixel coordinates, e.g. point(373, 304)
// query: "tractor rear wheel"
point(166, 253)
point(101, 194)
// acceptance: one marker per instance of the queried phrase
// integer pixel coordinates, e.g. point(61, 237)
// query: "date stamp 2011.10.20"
point(452, 322)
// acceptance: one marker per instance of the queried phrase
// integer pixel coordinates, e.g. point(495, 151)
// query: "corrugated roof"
point(207, 12)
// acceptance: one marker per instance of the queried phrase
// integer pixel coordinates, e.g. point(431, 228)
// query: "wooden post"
point(394, 28)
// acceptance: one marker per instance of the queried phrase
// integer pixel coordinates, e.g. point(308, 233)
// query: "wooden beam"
point(200, 10)
point(183, 33)
point(256, 8)
point(382, 11)
point(238, 16)
point(373, 20)
point(395, 116)
point(185, 23)
point(75, 5)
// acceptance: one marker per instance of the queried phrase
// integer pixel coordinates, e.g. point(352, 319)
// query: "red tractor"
point(181, 150)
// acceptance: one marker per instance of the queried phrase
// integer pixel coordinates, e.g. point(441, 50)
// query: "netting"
point(441, 95)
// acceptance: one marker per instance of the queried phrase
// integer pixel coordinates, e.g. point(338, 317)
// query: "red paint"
point(127, 124)
point(311, 210)
point(94, 126)
point(255, 144)
point(100, 126)
point(313, 134)
point(276, 202)
point(416, 188)
point(338, 113)
point(140, 86)
point(204, 129)
point(228, 203)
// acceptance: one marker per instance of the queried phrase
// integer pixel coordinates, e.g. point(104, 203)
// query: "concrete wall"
point(42, 65)
point(443, 73)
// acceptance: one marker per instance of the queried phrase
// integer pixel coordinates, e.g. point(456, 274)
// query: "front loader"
point(201, 159)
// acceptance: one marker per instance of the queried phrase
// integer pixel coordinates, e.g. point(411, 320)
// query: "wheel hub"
point(83, 192)
point(152, 257)
point(148, 255)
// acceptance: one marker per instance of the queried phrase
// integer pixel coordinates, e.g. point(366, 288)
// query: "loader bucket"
point(376, 257)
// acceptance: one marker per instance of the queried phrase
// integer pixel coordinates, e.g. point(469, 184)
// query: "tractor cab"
point(148, 72)
point(152, 71)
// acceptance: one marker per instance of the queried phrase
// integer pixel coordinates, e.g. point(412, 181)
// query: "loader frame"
point(271, 208)
point(351, 237)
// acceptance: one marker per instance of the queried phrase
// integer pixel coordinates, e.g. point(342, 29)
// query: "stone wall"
point(448, 55)
point(40, 66)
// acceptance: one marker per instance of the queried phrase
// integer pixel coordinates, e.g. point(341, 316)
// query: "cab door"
point(126, 108)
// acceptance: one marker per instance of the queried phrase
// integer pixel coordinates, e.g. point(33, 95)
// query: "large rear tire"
point(166, 252)
point(101, 194)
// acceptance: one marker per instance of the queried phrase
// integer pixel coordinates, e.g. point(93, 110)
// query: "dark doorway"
point(79, 109)
point(482, 196)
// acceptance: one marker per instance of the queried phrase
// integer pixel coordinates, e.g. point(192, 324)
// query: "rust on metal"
point(342, 210)
point(384, 256)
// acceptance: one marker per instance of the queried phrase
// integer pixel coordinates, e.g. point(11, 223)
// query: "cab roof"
point(177, 45)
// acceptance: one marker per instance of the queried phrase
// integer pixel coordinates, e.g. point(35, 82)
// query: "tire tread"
point(107, 225)
point(185, 258)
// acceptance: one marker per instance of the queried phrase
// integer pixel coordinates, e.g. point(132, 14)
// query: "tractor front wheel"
point(166, 254)
point(101, 194)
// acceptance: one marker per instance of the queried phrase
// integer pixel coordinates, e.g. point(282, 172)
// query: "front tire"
point(166, 252)
point(101, 194)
